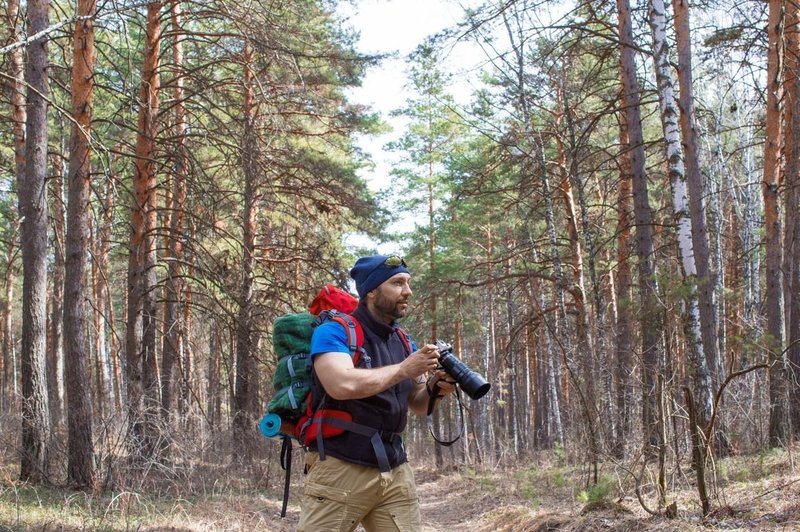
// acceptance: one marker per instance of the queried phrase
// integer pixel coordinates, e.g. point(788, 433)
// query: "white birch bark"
point(680, 199)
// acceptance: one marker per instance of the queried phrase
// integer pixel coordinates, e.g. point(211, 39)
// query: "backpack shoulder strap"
point(354, 332)
point(405, 339)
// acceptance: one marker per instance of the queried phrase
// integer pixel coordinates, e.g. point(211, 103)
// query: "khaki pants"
point(339, 495)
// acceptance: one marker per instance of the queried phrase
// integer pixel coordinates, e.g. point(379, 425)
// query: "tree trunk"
point(623, 368)
point(104, 309)
point(564, 339)
point(103, 393)
point(680, 206)
point(142, 383)
point(174, 331)
point(792, 201)
point(55, 351)
point(436, 414)
point(16, 92)
point(245, 384)
point(773, 302)
point(535, 151)
point(36, 428)
point(80, 466)
point(187, 358)
point(7, 366)
point(587, 355)
point(749, 235)
point(694, 180)
point(650, 316)
point(214, 390)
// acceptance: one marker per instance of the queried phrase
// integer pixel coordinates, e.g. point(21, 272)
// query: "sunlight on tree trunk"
point(773, 177)
point(142, 381)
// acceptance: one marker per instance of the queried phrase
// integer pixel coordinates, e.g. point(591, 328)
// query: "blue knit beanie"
point(370, 272)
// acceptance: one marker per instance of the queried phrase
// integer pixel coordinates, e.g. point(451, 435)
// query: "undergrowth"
point(204, 496)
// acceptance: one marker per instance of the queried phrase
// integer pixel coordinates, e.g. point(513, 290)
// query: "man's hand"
point(445, 382)
point(425, 359)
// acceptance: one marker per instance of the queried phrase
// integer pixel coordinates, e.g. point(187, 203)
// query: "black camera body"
point(473, 383)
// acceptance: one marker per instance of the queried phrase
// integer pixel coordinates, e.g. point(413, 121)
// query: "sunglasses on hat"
point(394, 261)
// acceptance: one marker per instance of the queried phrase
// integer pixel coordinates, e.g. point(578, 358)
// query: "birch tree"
point(680, 207)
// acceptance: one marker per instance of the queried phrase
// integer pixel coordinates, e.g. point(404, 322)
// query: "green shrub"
point(560, 454)
point(527, 481)
point(597, 493)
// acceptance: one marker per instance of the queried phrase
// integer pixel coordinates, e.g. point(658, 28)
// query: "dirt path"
point(454, 502)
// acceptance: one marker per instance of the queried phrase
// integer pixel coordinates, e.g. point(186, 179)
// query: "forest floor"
point(758, 492)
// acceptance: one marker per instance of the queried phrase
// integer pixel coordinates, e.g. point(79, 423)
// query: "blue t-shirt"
point(330, 337)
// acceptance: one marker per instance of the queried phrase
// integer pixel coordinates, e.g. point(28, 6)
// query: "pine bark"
point(173, 337)
point(792, 201)
point(32, 192)
point(773, 302)
point(80, 454)
point(694, 181)
point(245, 383)
point(651, 317)
point(142, 383)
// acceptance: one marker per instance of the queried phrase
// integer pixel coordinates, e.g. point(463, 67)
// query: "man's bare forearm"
point(344, 383)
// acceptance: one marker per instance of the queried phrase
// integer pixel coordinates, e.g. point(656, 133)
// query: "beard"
point(394, 308)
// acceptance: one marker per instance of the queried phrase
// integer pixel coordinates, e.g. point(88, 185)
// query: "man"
point(365, 479)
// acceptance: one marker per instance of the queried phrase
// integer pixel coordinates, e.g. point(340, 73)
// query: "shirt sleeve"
point(329, 337)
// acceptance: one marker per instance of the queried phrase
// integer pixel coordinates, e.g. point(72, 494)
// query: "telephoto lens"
point(468, 380)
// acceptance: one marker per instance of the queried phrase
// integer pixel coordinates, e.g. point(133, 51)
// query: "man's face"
point(390, 300)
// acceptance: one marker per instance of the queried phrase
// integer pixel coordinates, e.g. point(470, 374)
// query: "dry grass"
point(749, 493)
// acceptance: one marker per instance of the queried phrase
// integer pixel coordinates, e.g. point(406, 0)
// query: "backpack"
point(290, 409)
point(291, 338)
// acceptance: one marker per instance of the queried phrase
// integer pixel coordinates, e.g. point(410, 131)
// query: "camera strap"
point(433, 395)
